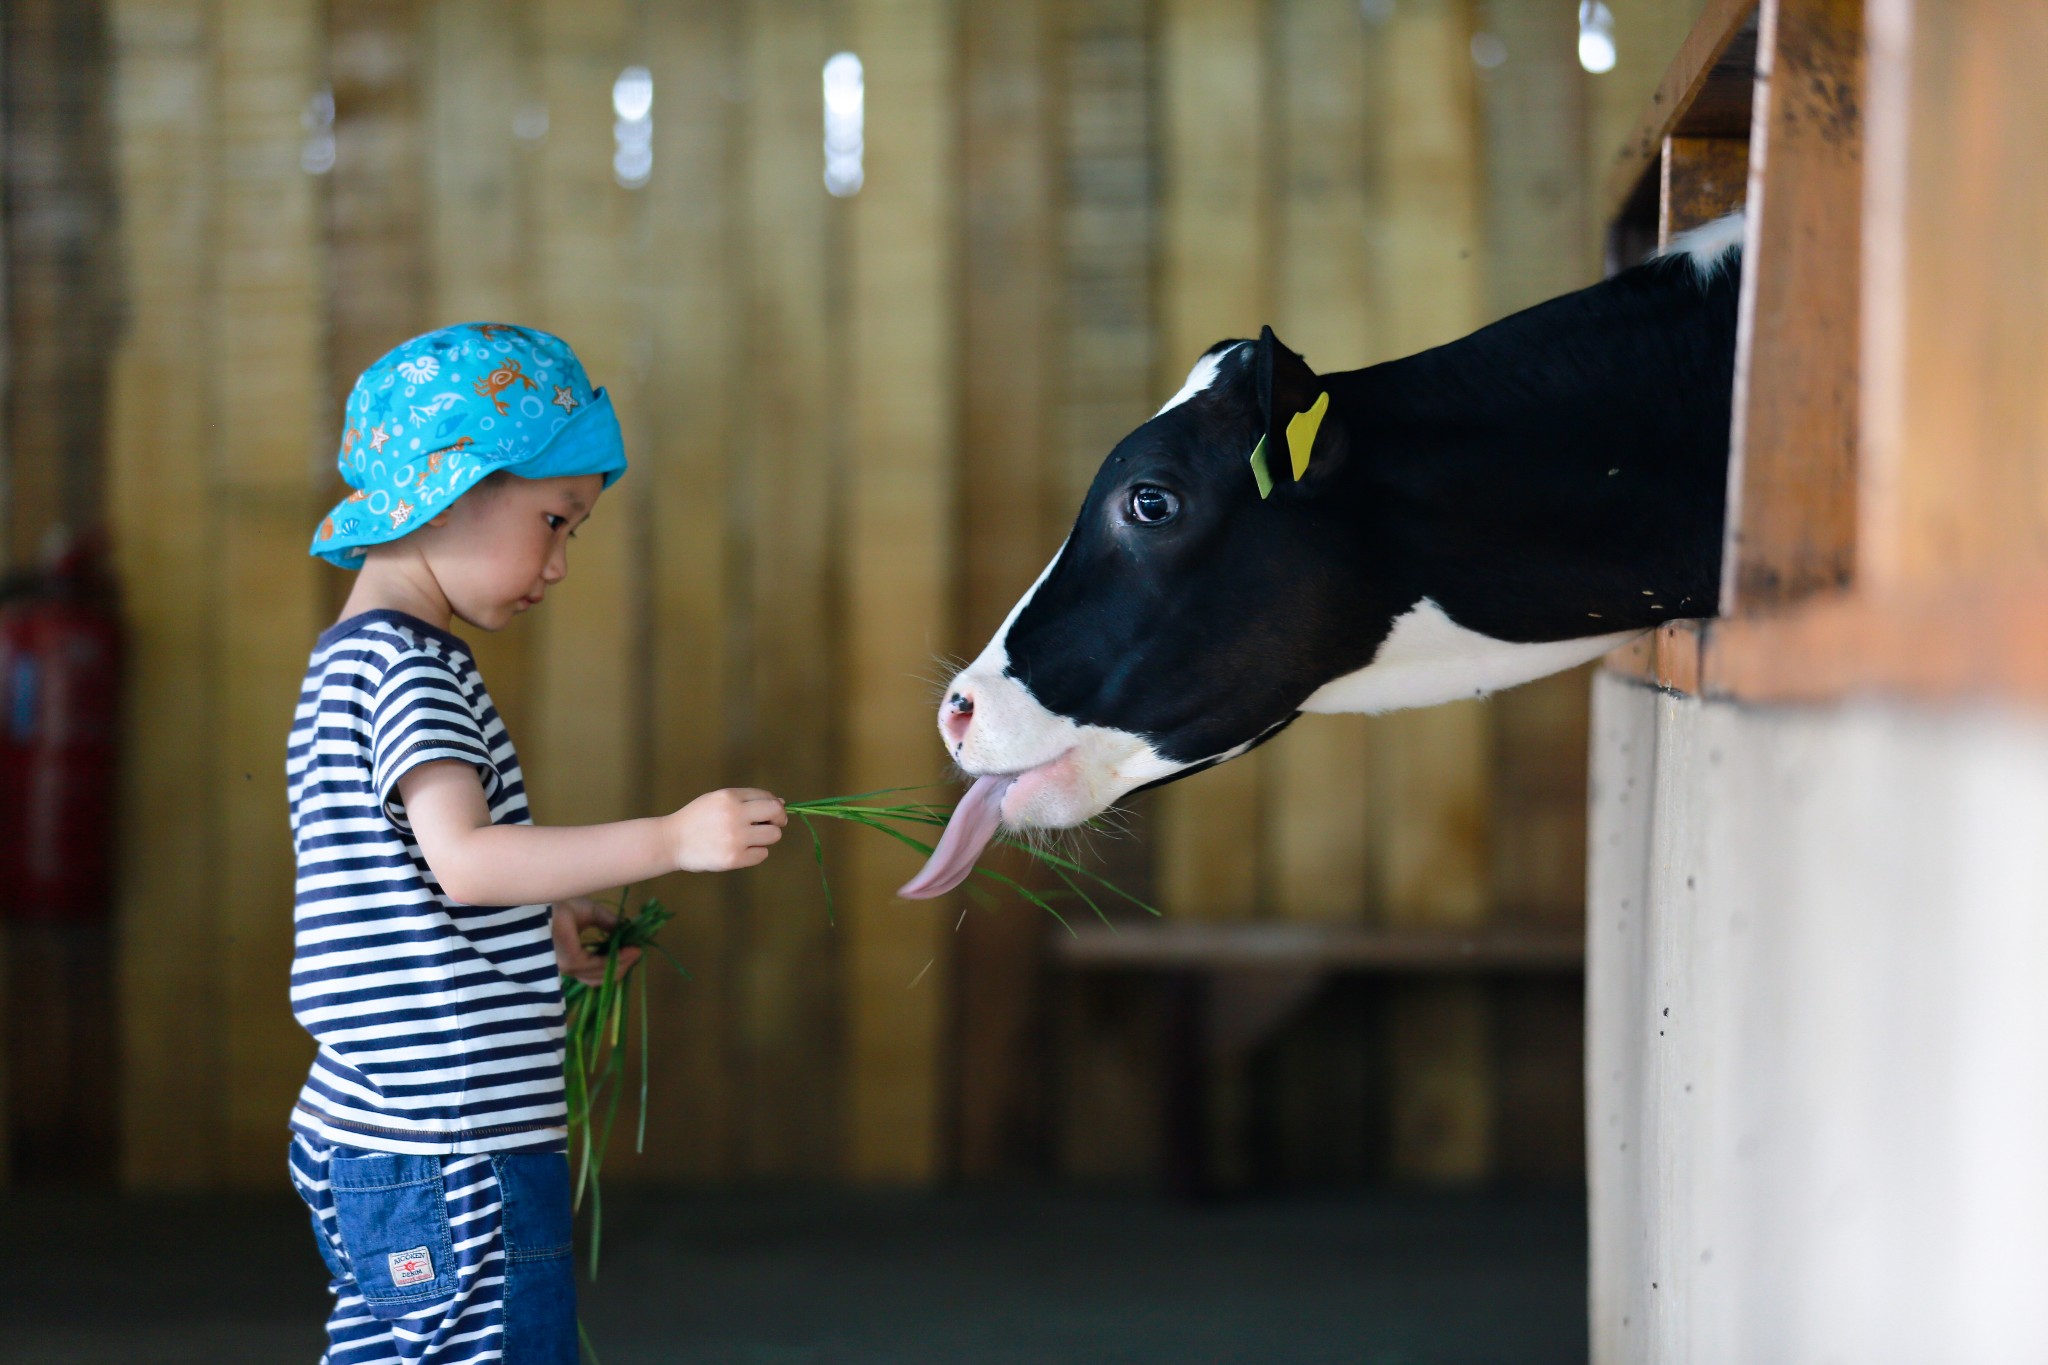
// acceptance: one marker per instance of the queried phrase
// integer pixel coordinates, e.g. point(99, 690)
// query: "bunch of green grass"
point(597, 1022)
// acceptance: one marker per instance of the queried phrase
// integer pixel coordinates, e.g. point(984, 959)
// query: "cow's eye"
point(1152, 505)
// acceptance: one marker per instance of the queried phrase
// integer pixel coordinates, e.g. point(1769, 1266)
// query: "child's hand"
point(570, 919)
point(725, 830)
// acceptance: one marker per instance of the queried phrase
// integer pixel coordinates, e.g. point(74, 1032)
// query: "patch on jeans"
point(411, 1267)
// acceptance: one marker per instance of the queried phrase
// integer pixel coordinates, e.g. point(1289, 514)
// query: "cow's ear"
point(1299, 446)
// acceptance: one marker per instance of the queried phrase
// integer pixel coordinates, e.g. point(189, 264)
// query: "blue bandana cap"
point(429, 421)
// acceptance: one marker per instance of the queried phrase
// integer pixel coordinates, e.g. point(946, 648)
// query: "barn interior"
point(874, 285)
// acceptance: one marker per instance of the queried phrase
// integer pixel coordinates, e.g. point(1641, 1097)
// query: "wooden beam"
point(789, 999)
point(1792, 463)
point(1009, 269)
point(1314, 806)
point(1214, 284)
point(173, 1034)
point(900, 502)
point(1956, 293)
point(1272, 947)
point(268, 374)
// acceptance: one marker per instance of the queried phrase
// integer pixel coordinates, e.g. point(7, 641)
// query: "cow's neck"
point(1542, 489)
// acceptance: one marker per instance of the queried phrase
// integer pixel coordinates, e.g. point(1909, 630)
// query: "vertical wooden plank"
point(1956, 288)
point(1538, 222)
point(900, 497)
point(691, 317)
point(785, 461)
point(1324, 96)
point(58, 310)
point(268, 375)
point(375, 213)
point(1008, 312)
point(1792, 467)
point(484, 126)
point(1109, 1039)
point(1430, 767)
point(1699, 179)
point(1214, 283)
point(172, 1020)
point(584, 752)
point(1109, 235)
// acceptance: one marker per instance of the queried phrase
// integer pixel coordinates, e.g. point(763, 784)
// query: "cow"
point(1275, 541)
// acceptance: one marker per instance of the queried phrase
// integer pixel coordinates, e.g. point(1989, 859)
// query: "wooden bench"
point(1233, 986)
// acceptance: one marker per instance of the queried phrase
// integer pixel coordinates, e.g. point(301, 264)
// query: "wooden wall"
point(858, 428)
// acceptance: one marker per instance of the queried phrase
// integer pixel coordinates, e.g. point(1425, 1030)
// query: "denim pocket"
point(392, 1215)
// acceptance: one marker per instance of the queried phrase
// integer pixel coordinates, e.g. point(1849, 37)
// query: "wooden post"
point(1792, 469)
point(1214, 283)
point(1008, 265)
point(268, 373)
point(900, 498)
point(1955, 281)
point(784, 460)
point(1429, 767)
point(173, 1024)
point(691, 316)
point(585, 749)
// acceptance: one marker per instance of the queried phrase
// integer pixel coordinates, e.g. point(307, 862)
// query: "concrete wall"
point(1817, 1054)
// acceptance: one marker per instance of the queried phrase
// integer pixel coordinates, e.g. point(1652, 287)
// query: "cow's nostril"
point(959, 714)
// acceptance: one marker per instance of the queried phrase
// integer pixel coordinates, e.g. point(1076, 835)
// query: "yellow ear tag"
point(1301, 433)
point(1263, 475)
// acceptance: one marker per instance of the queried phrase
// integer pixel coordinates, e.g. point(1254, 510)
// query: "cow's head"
point(1211, 583)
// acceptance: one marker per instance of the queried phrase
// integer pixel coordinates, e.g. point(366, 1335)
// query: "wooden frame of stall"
point(1887, 528)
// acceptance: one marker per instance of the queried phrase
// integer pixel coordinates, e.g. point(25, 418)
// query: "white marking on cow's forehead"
point(1200, 377)
point(1428, 659)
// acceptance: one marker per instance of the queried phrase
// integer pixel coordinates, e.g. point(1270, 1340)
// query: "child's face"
point(498, 549)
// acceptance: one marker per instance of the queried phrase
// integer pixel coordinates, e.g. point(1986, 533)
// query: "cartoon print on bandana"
point(500, 379)
point(415, 436)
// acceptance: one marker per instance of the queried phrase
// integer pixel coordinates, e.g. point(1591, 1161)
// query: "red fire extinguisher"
point(60, 697)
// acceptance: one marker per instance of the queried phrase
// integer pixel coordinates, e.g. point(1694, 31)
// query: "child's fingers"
point(761, 836)
point(766, 811)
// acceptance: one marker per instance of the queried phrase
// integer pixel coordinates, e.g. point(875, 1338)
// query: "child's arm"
point(480, 863)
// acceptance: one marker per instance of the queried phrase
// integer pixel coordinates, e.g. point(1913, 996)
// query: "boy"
point(432, 916)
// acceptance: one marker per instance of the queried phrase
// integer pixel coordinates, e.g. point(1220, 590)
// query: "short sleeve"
point(420, 715)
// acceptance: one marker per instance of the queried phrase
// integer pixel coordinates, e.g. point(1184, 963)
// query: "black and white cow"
point(1275, 541)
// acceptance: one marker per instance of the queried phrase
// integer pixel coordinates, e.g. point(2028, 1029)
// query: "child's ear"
point(1300, 446)
point(440, 520)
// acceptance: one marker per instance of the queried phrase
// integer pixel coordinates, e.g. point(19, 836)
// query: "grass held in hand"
point(596, 1023)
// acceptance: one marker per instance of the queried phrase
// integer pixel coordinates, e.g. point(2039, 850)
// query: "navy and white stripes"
point(439, 1024)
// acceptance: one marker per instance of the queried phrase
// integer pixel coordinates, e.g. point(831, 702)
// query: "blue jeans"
point(442, 1259)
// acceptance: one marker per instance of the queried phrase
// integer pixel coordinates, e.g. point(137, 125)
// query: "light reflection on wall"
point(1596, 37)
point(633, 133)
point(845, 100)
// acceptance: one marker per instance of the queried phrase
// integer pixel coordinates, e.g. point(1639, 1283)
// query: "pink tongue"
point(967, 834)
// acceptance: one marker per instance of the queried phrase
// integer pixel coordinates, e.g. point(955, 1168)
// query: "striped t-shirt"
point(439, 1024)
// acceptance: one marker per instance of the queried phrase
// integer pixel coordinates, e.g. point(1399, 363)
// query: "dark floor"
point(835, 1279)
